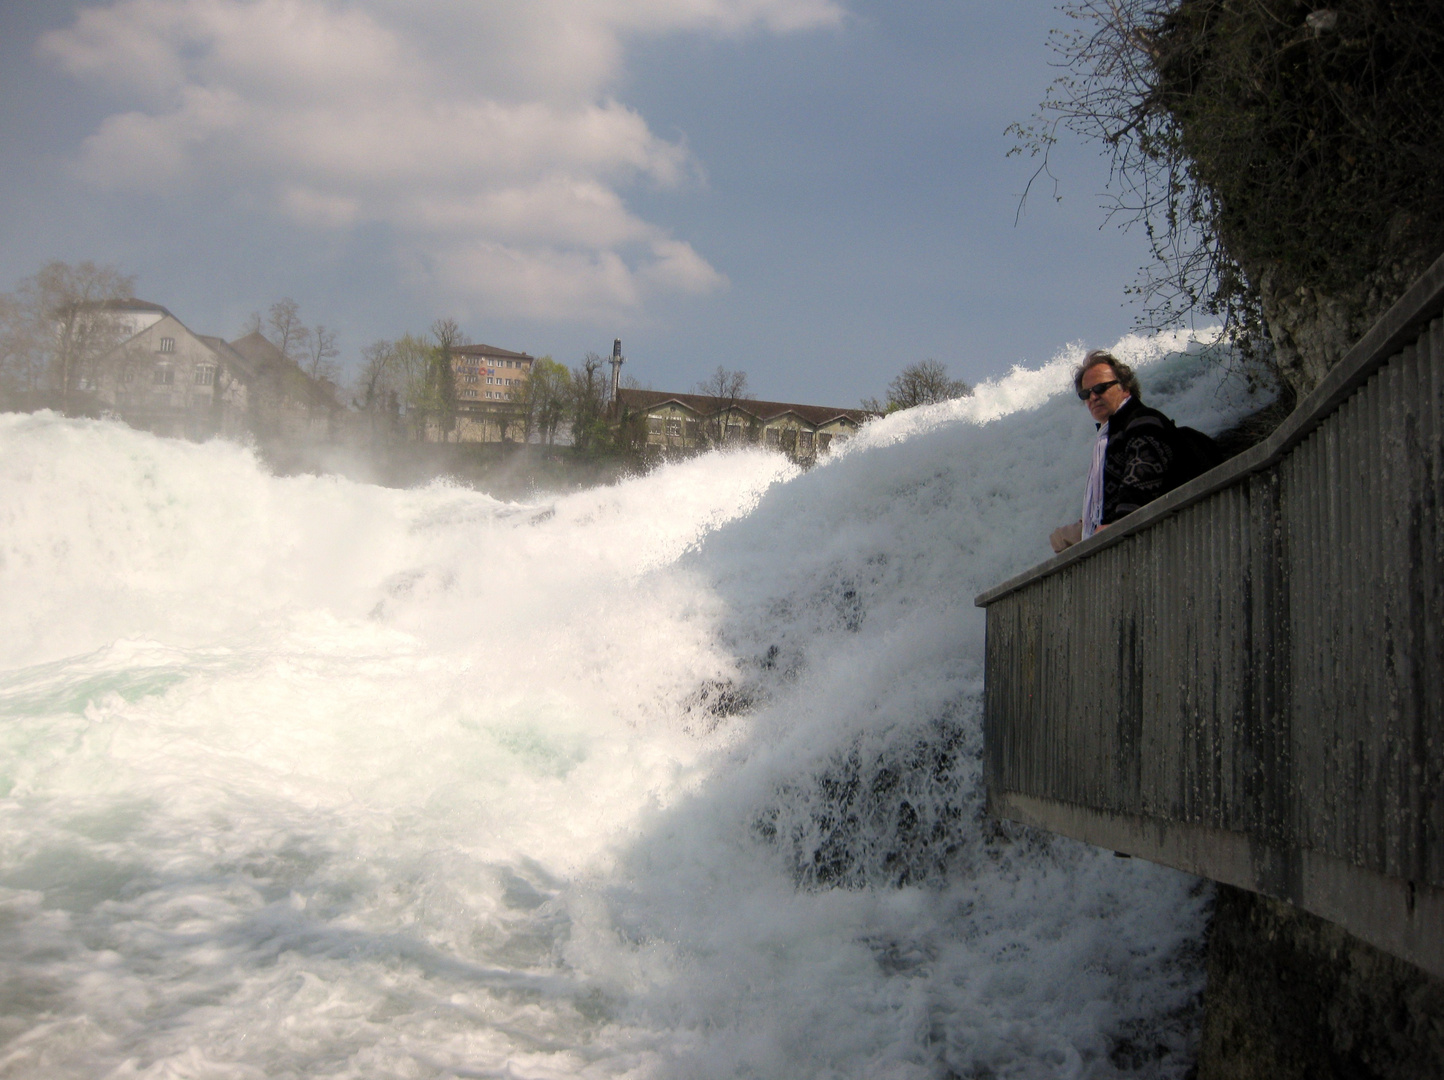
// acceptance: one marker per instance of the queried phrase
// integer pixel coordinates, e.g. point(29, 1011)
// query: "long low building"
point(693, 421)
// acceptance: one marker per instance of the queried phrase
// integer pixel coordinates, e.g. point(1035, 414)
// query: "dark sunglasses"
point(1097, 389)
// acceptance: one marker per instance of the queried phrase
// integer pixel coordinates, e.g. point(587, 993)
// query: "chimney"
point(617, 361)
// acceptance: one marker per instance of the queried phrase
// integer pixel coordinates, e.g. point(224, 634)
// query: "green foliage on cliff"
point(1283, 157)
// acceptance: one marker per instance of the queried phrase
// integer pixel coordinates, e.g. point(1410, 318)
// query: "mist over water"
point(677, 778)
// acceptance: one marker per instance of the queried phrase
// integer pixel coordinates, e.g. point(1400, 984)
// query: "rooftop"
point(705, 405)
point(489, 350)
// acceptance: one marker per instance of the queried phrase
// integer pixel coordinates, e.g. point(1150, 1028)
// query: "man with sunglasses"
point(1136, 458)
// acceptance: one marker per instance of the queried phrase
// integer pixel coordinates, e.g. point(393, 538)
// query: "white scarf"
point(1093, 492)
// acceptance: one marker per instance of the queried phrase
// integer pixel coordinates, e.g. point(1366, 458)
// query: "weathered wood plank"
point(1255, 663)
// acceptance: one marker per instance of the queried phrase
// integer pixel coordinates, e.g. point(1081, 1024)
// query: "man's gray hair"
point(1121, 371)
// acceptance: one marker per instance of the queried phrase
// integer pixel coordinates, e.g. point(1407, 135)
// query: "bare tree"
point(725, 389)
point(321, 353)
point(57, 323)
point(725, 385)
point(287, 332)
point(380, 386)
point(377, 375)
point(923, 383)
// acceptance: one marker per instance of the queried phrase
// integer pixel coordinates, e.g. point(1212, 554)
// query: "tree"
point(411, 362)
point(441, 381)
point(379, 386)
point(923, 383)
point(287, 332)
point(375, 376)
point(725, 389)
point(1283, 159)
point(542, 399)
point(588, 402)
point(56, 324)
point(393, 379)
point(321, 353)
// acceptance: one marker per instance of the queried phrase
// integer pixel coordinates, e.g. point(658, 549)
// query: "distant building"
point(489, 382)
point(691, 421)
point(133, 315)
point(280, 398)
point(165, 378)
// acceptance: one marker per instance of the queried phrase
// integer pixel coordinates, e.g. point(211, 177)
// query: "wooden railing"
point(1245, 679)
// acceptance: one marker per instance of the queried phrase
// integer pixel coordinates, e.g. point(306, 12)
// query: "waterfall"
point(677, 777)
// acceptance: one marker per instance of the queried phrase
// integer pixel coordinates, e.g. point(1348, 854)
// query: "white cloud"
point(484, 134)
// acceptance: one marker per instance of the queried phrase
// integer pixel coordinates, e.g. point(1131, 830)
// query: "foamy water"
point(678, 778)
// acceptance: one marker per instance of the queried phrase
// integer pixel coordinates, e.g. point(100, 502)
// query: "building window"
point(674, 427)
point(489, 382)
point(823, 440)
point(167, 344)
point(804, 441)
point(164, 376)
point(774, 437)
point(692, 431)
point(205, 374)
point(654, 425)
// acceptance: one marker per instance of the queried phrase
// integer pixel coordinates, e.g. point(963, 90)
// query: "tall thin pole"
point(617, 361)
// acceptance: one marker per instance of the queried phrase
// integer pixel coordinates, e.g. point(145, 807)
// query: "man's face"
point(1103, 405)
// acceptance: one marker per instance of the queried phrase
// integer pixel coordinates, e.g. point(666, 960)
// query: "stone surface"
point(1293, 997)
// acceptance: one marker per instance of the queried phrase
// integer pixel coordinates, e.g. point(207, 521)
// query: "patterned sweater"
point(1142, 461)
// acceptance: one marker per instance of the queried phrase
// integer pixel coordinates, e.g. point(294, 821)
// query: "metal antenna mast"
point(617, 361)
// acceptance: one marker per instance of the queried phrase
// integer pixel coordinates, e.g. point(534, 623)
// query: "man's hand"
point(1066, 536)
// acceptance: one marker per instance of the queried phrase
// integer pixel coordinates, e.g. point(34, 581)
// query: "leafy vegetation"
point(1282, 158)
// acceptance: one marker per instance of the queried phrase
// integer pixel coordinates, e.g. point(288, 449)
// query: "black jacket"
point(1143, 461)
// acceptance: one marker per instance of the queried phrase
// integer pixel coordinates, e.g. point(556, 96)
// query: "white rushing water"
point(673, 779)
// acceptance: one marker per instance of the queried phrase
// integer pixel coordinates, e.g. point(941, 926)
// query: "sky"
point(817, 192)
